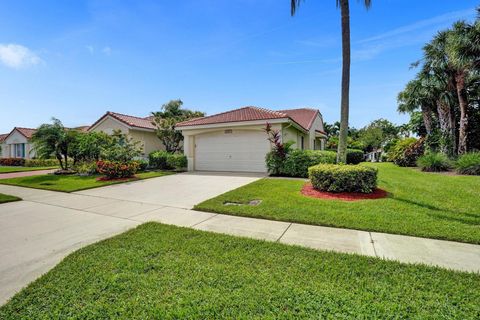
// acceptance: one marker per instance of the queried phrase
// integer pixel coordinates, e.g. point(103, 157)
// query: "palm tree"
point(462, 49)
point(344, 104)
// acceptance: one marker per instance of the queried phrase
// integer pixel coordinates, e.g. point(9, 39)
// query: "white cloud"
point(107, 50)
point(90, 49)
point(17, 56)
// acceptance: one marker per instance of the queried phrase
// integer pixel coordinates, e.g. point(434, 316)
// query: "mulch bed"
point(309, 191)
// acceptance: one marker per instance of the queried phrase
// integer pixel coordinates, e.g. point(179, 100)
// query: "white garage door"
point(228, 150)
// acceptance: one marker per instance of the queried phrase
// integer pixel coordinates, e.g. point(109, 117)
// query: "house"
point(236, 140)
point(139, 129)
point(17, 144)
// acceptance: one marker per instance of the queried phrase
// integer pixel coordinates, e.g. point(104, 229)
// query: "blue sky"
point(77, 59)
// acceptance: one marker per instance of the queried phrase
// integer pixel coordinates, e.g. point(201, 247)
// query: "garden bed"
point(311, 192)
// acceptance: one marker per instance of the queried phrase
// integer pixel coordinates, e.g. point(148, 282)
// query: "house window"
point(19, 150)
point(302, 142)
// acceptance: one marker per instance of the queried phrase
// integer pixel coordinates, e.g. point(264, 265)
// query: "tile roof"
point(303, 117)
point(3, 136)
point(132, 121)
point(26, 132)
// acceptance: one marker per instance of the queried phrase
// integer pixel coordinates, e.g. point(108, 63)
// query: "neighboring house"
point(139, 129)
point(17, 144)
point(236, 140)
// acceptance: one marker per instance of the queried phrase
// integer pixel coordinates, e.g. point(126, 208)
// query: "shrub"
point(158, 159)
point(142, 164)
point(343, 178)
point(434, 162)
point(41, 163)
point(406, 152)
point(165, 160)
point(15, 162)
point(274, 163)
point(86, 168)
point(117, 169)
point(354, 156)
point(176, 161)
point(298, 161)
point(469, 163)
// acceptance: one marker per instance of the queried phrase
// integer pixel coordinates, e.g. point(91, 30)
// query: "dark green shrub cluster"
point(167, 161)
point(297, 162)
point(142, 164)
point(41, 162)
point(15, 162)
point(343, 178)
point(469, 164)
point(434, 162)
point(355, 156)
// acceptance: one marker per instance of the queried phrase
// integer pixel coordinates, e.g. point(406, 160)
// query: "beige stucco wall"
point(108, 125)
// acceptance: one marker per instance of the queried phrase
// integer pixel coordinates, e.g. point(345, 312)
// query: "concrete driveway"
point(38, 232)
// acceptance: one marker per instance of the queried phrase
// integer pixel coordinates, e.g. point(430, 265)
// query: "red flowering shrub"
point(116, 169)
point(17, 162)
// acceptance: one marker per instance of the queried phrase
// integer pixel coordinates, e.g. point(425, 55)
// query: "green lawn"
point(420, 204)
point(6, 198)
point(72, 183)
point(5, 169)
point(165, 272)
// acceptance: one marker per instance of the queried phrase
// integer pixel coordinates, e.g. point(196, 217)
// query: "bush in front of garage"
point(343, 178)
point(167, 161)
point(297, 162)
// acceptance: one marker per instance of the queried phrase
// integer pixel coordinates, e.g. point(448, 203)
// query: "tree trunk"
point(427, 118)
point(463, 102)
point(444, 117)
point(344, 104)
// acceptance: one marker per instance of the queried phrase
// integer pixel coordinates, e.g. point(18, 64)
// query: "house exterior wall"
point(108, 125)
point(319, 143)
point(16, 138)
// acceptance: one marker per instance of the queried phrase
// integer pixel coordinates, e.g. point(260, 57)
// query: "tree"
point(377, 133)
point(54, 140)
point(88, 146)
point(121, 148)
point(165, 120)
point(345, 103)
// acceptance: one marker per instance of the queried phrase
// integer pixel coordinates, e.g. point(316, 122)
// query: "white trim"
point(232, 124)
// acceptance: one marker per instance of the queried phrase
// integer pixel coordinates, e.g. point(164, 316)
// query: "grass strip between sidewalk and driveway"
point(429, 205)
point(4, 198)
point(71, 183)
point(157, 271)
point(11, 169)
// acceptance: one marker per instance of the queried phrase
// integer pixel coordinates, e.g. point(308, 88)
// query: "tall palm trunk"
point(447, 131)
point(344, 104)
point(427, 118)
point(463, 102)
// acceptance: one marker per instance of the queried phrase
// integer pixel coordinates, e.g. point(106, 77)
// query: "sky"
point(75, 60)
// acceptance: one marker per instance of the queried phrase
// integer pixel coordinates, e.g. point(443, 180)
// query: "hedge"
point(298, 161)
point(355, 156)
point(15, 162)
point(41, 163)
point(343, 178)
point(165, 160)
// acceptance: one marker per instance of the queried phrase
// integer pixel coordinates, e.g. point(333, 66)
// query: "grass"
point(71, 183)
point(10, 169)
point(165, 272)
point(6, 198)
point(419, 204)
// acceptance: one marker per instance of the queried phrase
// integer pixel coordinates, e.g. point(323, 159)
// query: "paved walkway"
point(25, 173)
point(35, 234)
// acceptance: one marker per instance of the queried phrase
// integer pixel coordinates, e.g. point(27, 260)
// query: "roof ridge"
point(127, 115)
point(24, 128)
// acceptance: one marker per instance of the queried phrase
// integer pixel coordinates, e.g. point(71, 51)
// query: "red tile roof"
point(132, 121)
point(26, 132)
point(303, 117)
point(3, 137)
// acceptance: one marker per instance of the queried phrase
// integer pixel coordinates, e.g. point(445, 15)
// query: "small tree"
point(121, 148)
point(165, 121)
point(89, 145)
point(54, 140)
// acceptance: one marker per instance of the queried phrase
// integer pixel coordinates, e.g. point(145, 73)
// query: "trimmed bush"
point(142, 164)
point(434, 162)
point(164, 160)
point(14, 162)
point(41, 163)
point(86, 168)
point(354, 156)
point(176, 161)
point(298, 161)
point(116, 169)
point(469, 163)
point(343, 178)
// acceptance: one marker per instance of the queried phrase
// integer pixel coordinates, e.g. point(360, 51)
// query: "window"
point(302, 142)
point(19, 150)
